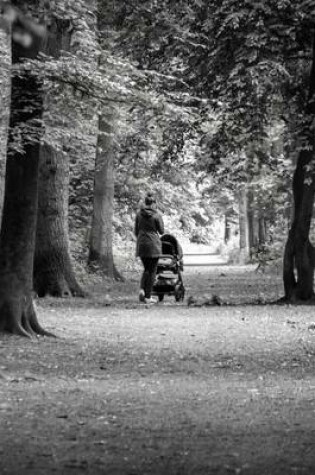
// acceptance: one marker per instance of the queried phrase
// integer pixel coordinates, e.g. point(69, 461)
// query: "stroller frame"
point(169, 280)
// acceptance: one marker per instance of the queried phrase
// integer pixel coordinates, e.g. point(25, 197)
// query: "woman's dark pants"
point(148, 276)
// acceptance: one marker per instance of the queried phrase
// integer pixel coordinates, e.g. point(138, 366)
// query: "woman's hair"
point(149, 199)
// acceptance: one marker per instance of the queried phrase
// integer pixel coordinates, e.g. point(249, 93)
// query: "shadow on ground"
point(168, 389)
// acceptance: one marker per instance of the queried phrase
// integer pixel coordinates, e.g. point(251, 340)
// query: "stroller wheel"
point(161, 297)
point(179, 293)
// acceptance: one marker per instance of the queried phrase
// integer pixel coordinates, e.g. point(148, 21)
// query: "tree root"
point(294, 300)
point(77, 291)
point(64, 286)
point(20, 318)
point(105, 265)
point(117, 275)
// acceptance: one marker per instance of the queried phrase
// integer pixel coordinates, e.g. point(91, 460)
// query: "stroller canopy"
point(170, 245)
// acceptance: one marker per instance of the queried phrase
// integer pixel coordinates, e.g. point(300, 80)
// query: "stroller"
point(169, 270)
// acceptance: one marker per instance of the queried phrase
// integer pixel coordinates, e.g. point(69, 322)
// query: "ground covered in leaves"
point(170, 389)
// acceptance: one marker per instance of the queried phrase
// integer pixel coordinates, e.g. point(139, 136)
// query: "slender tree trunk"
point(261, 230)
point(53, 270)
point(227, 228)
point(252, 220)
point(101, 238)
point(298, 265)
point(17, 237)
point(5, 93)
point(243, 226)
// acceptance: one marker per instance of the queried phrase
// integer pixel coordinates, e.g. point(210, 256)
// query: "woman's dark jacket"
point(149, 224)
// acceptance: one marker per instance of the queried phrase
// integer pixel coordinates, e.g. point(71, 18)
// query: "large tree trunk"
point(101, 239)
point(5, 93)
point(53, 270)
point(17, 237)
point(298, 266)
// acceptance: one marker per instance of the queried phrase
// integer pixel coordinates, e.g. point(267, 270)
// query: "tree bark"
point(298, 262)
point(227, 228)
point(243, 226)
point(5, 93)
point(101, 238)
point(261, 230)
point(17, 237)
point(53, 271)
point(252, 220)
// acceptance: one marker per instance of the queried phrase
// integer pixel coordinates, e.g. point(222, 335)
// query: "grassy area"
point(170, 389)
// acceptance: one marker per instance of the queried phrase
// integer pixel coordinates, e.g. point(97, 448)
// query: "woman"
point(149, 224)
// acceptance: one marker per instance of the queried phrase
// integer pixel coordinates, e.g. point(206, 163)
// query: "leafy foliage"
point(210, 98)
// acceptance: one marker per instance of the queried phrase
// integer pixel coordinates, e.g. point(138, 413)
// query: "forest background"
point(209, 106)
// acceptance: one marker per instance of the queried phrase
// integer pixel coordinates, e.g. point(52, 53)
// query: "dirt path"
point(167, 390)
